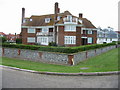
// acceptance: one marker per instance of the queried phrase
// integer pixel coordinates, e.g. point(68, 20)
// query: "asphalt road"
point(20, 79)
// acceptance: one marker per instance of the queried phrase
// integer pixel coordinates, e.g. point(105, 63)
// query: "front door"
point(84, 41)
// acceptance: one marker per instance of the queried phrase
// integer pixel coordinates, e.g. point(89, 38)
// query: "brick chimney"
point(23, 14)
point(57, 9)
point(80, 15)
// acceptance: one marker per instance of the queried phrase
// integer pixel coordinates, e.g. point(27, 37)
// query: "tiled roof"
point(1, 33)
point(40, 20)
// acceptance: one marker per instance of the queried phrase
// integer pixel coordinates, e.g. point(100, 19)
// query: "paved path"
point(19, 79)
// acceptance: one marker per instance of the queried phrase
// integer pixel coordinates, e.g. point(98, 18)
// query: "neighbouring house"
point(118, 35)
point(2, 34)
point(107, 35)
point(64, 29)
point(12, 37)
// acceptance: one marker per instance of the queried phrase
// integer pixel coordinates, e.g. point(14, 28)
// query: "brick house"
point(2, 34)
point(12, 37)
point(63, 28)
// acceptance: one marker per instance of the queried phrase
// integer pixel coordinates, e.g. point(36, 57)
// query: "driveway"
point(19, 79)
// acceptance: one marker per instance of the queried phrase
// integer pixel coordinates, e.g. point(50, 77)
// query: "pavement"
point(20, 79)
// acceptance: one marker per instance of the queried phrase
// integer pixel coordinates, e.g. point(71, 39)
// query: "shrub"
point(3, 39)
point(19, 41)
point(52, 44)
point(57, 49)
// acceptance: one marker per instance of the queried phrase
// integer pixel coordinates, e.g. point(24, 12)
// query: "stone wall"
point(50, 57)
point(78, 57)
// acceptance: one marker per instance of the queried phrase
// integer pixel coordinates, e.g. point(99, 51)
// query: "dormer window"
point(47, 20)
point(30, 19)
point(58, 18)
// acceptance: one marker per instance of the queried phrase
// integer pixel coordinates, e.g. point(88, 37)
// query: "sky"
point(102, 13)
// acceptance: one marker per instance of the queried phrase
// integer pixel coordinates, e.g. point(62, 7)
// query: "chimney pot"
point(80, 15)
point(57, 9)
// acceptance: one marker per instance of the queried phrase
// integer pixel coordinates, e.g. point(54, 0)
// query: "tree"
point(19, 41)
point(3, 39)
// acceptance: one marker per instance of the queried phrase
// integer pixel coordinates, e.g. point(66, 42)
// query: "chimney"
point(80, 15)
point(23, 14)
point(57, 9)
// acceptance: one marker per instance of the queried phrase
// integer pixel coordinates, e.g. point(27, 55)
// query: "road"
point(20, 79)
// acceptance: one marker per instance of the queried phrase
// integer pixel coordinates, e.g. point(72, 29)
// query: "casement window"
point(31, 39)
point(69, 39)
point(47, 20)
point(90, 40)
point(45, 29)
point(43, 40)
point(90, 32)
point(31, 30)
point(70, 28)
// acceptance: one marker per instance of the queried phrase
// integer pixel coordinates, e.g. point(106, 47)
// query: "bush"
point(52, 44)
point(3, 39)
point(57, 49)
point(19, 41)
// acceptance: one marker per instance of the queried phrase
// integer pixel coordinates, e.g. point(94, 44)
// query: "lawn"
point(105, 62)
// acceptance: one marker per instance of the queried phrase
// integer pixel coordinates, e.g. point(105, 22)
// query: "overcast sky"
point(101, 13)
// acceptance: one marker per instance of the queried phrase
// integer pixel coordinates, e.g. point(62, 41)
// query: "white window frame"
point(90, 32)
point(45, 29)
point(58, 18)
point(90, 39)
point(69, 18)
point(47, 20)
point(70, 28)
point(31, 30)
point(69, 39)
point(43, 40)
point(31, 39)
point(30, 19)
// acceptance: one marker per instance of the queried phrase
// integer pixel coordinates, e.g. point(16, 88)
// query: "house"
point(107, 35)
point(118, 32)
point(12, 37)
point(64, 29)
point(2, 34)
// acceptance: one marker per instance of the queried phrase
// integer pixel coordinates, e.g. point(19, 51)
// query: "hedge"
point(57, 49)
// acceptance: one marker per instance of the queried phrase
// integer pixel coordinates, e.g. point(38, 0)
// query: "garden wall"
point(51, 57)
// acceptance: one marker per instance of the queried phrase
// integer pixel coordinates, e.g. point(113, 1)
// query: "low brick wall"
point(50, 57)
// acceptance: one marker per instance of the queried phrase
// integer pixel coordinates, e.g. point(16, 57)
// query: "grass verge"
point(102, 63)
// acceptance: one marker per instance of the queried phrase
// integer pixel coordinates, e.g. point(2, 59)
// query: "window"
point(58, 18)
point(31, 30)
point(90, 39)
point(70, 39)
point(31, 39)
point(30, 19)
point(70, 28)
point(69, 18)
point(90, 32)
point(47, 20)
point(81, 31)
point(42, 40)
point(44, 29)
